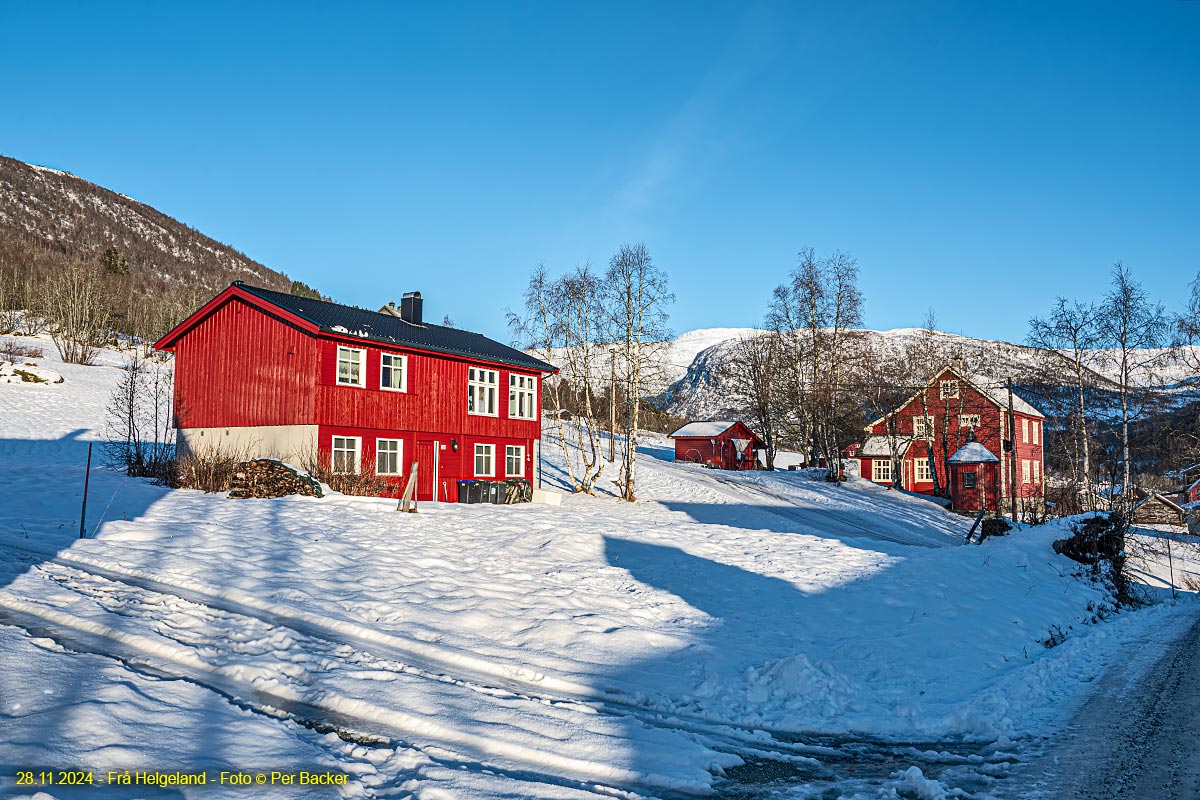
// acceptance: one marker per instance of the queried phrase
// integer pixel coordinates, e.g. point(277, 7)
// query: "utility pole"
point(612, 405)
point(1012, 458)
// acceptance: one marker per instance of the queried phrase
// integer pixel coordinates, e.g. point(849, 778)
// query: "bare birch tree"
point(636, 295)
point(817, 310)
point(577, 312)
point(757, 378)
point(538, 332)
point(1070, 332)
point(1135, 332)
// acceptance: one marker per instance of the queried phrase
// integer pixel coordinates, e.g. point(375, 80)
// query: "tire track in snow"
point(448, 666)
point(808, 752)
point(324, 709)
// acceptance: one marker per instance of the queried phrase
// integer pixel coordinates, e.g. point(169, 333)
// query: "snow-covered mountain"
point(698, 365)
point(54, 213)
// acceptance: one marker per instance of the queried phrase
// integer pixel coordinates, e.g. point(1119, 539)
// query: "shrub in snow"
point(139, 431)
point(209, 470)
point(12, 350)
point(995, 527)
point(1099, 542)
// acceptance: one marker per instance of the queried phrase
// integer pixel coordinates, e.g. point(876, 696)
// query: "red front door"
point(425, 461)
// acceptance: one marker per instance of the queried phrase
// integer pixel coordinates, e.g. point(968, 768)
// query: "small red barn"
point(725, 445)
point(269, 374)
point(911, 446)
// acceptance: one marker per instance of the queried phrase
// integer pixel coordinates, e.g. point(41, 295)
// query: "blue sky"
point(977, 158)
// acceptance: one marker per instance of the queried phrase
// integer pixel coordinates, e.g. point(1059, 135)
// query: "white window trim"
point(917, 471)
point(942, 395)
point(1025, 470)
point(878, 466)
point(1024, 430)
point(362, 367)
point(472, 385)
point(403, 371)
point(475, 462)
point(357, 454)
point(521, 473)
point(932, 428)
point(399, 456)
point(963, 421)
point(531, 391)
point(1037, 470)
point(1037, 432)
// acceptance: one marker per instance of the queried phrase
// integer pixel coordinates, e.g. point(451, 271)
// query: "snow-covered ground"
point(764, 626)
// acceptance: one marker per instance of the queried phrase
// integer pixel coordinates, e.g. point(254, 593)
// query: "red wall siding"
point(452, 465)
point(436, 400)
point(241, 367)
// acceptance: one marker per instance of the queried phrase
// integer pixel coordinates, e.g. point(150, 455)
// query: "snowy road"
point(1135, 738)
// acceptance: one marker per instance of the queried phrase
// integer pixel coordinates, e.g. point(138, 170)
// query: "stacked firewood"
point(269, 477)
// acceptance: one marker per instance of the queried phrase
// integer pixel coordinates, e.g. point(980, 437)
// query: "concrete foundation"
point(291, 443)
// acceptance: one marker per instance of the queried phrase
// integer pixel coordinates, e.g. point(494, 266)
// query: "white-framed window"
point(351, 366)
point(1024, 430)
point(389, 456)
point(522, 396)
point(514, 461)
point(968, 421)
point(481, 391)
point(345, 458)
point(921, 473)
point(923, 427)
point(485, 464)
point(1037, 470)
point(1037, 432)
point(1025, 470)
point(393, 372)
point(949, 389)
point(881, 470)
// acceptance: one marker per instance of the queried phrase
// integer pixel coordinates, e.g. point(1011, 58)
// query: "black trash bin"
point(464, 491)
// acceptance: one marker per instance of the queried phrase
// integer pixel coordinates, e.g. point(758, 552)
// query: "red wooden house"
point(911, 446)
point(274, 375)
point(725, 445)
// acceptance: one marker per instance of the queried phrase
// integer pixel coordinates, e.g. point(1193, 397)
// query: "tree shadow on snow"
point(42, 484)
point(845, 525)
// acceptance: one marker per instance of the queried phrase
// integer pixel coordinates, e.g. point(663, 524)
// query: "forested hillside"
point(147, 269)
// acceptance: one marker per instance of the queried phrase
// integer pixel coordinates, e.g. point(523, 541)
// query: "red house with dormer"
point(270, 374)
point(911, 446)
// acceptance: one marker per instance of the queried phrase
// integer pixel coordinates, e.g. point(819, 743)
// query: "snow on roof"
point(877, 446)
point(973, 453)
point(1000, 397)
point(1155, 495)
point(702, 429)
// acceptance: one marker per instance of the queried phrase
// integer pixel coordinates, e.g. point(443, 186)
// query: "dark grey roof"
point(386, 329)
